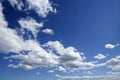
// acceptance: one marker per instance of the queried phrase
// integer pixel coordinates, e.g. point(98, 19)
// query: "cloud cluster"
point(31, 54)
point(69, 57)
point(41, 7)
point(47, 55)
point(113, 63)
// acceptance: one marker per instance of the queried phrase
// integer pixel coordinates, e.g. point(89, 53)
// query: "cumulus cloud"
point(66, 54)
point(38, 57)
point(113, 63)
point(41, 7)
point(12, 42)
point(111, 46)
point(48, 31)
point(69, 56)
point(31, 54)
point(31, 25)
point(99, 56)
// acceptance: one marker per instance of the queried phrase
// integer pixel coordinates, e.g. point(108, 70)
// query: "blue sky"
point(59, 39)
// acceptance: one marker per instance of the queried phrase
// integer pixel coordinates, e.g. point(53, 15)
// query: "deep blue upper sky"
point(86, 25)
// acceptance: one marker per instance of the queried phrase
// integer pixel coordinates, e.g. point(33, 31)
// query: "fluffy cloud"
point(60, 68)
point(99, 56)
point(38, 57)
point(111, 46)
point(48, 31)
point(66, 54)
point(31, 54)
point(9, 42)
point(113, 63)
point(31, 25)
point(35, 57)
point(41, 7)
point(69, 56)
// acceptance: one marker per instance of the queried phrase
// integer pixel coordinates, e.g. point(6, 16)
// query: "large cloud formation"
point(31, 54)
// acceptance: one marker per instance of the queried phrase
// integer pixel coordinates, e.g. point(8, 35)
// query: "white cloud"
point(66, 54)
point(48, 31)
point(69, 57)
point(50, 54)
point(41, 7)
point(31, 25)
point(51, 71)
point(78, 65)
point(38, 57)
point(113, 63)
point(105, 77)
point(10, 42)
point(60, 68)
point(99, 56)
point(111, 46)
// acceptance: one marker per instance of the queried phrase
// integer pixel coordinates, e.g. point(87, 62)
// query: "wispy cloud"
point(31, 25)
point(113, 76)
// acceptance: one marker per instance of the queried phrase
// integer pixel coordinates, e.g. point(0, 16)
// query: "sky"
point(60, 39)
